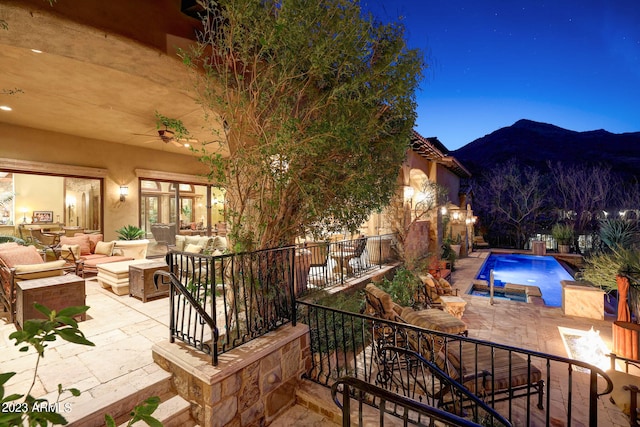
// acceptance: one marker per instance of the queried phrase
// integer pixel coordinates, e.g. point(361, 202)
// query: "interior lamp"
point(124, 192)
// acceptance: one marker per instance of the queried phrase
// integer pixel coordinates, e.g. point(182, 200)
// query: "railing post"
point(292, 287)
point(593, 399)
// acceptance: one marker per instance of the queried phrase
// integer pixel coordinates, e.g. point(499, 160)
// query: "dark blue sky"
point(574, 64)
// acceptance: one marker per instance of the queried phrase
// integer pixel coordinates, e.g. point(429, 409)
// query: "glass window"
point(53, 201)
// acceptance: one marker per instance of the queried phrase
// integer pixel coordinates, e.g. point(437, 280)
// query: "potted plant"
point(563, 234)
point(130, 232)
point(131, 242)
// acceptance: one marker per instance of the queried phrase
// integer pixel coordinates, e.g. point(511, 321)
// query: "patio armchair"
point(164, 234)
point(433, 289)
point(44, 240)
point(350, 255)
point(18, 263)
point(321, 265)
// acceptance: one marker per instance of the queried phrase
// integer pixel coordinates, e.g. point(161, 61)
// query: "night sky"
point(574, 64)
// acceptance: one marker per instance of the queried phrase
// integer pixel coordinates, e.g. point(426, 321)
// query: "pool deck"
point(525, 325)
point(124, 329)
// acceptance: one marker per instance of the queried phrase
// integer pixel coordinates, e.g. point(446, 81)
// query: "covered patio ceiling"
point(59, 75)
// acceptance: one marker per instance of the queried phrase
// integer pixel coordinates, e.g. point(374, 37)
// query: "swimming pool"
point(545, 272)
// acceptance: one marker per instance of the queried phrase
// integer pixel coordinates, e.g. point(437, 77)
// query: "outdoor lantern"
point(408, 192)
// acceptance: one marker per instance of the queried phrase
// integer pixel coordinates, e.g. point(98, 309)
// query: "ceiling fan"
point(168, 136)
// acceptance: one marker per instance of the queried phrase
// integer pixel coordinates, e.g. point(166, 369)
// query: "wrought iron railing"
point(412, 411)
point(517, 383)
point(333, 263)
point(218, 303)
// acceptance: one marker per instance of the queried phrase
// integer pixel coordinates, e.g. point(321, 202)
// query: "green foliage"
point(305, 95)
point(618, 233)
point(130, 232)
point(601, 270)
point(332, 331)
point(563, 233)
point(176, 125)
point(403, 288)
point(5, 239)
point(141, 412)
point(37, 333)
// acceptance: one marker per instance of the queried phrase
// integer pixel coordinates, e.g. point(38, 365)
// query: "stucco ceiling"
point(90, 83)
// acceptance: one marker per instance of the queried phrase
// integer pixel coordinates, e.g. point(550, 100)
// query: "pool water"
point(531, 270)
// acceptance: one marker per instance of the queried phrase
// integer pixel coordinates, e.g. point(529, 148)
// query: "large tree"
point(512, 197)
point(317, 103)
point(581, 192)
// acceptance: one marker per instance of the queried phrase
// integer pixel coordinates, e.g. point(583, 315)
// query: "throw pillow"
point(180, 242)
point(104, 248)
point(74, 249)
point(196, 249)
point(21, 255)
point(80, 239)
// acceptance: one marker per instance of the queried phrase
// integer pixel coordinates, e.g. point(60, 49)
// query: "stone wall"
point(416, 245)
point(251, 385)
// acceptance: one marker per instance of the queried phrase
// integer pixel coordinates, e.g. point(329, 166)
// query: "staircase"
point(173, 410)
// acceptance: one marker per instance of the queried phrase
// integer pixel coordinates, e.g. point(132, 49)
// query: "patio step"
point(121, 398)
point(312, 397)
point(173, 412)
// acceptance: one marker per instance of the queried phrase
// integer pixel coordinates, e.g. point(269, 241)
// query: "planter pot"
point(136, 249)
point(563, 249)
point(626, 341)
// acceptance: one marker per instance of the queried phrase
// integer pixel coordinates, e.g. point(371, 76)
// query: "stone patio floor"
point(124, 329)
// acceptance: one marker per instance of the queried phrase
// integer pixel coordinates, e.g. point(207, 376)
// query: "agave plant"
point(618, 233)
point(130, 232)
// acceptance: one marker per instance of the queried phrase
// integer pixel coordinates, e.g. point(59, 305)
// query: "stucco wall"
point(119, 160)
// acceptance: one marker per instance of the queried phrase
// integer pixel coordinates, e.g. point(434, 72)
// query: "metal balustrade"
point(519, 384)
point(218, 303)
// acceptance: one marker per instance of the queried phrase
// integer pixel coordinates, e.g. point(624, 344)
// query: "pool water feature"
point(545, 272)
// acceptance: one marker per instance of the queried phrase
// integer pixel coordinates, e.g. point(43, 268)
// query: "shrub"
point(563, 233)
point(403, 288)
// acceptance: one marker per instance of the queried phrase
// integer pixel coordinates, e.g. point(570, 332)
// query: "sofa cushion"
point(180, 239)
point(193, 248)
point(8, 245)
point(204, 241)
point(219, 243)
point(74, 249)
point(38, 271)
point(21, 255)
point(104, 248)
point(92, 256)
point(79, 239)
point(94, 239)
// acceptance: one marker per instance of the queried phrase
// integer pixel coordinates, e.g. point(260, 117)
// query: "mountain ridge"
point(534, 143)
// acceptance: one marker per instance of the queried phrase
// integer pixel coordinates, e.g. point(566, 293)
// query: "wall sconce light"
point(408, 192)
point(456, 215)
point(124, 192)
point(443, 210)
